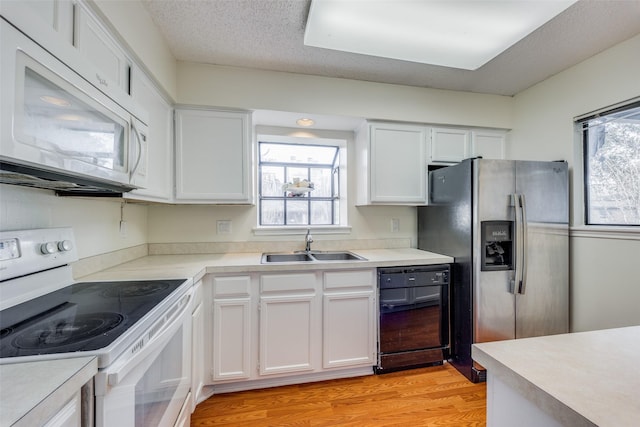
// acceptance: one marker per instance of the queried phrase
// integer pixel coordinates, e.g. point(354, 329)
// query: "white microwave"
point(60, 131)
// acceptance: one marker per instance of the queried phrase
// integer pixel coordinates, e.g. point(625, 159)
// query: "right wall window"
point(612, 166)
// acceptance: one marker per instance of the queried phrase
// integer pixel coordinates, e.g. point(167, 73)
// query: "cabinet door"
point(58, 14)
point(69, 415)
point(213, 153)
point(157, 171)
point(289, 323)
point(449, 145)
point(197, 345)
point(231, 339)
point(96, 44)
point(398, 164)
point(232, 321)
point(286, 334)
point(349, 329)
point(488, 145)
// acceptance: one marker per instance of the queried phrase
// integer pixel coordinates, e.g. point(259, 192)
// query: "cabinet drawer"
point(288, 282)
point(349, 279)
point(231, 286)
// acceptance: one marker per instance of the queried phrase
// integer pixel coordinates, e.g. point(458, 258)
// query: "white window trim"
point(301, 230)
point(282, 230)
point(579, 228)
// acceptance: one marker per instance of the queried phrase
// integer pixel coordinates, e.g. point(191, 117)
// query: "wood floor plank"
point(436, 396)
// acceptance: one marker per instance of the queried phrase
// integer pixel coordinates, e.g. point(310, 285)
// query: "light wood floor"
point(435, 396)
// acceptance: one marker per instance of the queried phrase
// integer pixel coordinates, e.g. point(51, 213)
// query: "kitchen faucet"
point(308, 240)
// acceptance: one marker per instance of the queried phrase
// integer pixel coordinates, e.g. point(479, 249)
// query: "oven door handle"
point(151, 343)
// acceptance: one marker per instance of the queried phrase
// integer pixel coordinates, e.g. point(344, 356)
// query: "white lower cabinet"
point(283, 326)
point(289, 323)
point(349, 319)
point(232, 321)
point(68, 415)
point(197, 345)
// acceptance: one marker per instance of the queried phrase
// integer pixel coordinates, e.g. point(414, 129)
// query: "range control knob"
point(65, 245)
point(48, 248)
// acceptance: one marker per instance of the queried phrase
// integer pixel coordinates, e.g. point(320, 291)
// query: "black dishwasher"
point(414, 317)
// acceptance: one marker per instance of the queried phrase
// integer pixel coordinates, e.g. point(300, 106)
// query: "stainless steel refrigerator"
point(506, 225)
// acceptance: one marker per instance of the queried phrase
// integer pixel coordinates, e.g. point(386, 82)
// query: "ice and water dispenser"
point(497, 245)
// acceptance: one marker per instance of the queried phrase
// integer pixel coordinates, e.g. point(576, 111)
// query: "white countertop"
point(32, 392)
point(197, 265)
point(585, 378)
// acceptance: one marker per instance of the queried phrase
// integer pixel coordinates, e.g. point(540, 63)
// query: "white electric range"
point(140, 331)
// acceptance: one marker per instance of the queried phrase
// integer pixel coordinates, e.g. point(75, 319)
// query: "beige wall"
point(201, 84)
point(95, 221)
point(605, 272)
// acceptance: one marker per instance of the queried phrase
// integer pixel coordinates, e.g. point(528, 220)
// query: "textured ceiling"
point(268, 35)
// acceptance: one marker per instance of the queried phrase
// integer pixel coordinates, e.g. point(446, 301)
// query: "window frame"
point(582, 130)
point(340, 198)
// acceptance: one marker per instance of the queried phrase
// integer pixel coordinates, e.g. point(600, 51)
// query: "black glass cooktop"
point(81, 317)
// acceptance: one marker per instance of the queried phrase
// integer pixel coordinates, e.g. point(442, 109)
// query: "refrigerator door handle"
point(516, 281)
point(523, 270)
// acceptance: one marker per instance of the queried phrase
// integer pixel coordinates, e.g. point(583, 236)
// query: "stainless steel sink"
point(268, 258)
point(297, 257)
point(336, 256)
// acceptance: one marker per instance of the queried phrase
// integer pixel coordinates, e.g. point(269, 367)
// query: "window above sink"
point(301, 182)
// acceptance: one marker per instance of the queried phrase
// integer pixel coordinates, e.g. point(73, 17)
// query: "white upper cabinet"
point(449, 145)
point(157, 171)
point(98, 46)
point(452, 145)
point(392, 164)
point(488, 144)
point(58, 14)
point(213, 156)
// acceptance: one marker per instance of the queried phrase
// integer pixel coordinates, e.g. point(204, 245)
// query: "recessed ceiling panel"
point(463, 34)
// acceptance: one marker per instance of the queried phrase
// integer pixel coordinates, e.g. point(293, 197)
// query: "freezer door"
point(542, 303)
point(493, 302)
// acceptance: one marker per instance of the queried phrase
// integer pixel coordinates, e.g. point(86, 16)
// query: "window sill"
point(299, 231)
point(606, 232)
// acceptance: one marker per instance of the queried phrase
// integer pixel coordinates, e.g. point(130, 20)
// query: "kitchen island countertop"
point(579, 379)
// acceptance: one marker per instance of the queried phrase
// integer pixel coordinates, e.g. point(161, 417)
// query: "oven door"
point(148, 384)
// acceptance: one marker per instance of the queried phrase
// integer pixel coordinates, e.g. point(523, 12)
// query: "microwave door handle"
point(138, 138)
point(525, 231)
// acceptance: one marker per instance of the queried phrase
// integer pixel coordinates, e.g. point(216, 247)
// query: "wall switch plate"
point(223, 226)
point(395, 225)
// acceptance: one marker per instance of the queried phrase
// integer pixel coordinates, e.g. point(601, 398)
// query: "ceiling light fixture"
point(462, 34)
point(306, 122)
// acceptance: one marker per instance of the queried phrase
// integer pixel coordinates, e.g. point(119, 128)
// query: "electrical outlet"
point(395, 225)
point(223, 226)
